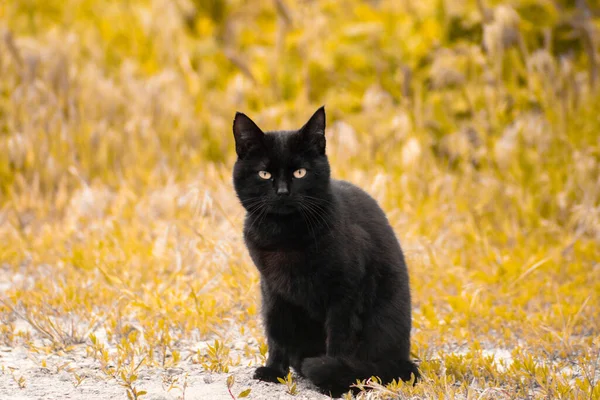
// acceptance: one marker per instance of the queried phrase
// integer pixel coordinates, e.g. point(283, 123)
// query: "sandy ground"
point(57, 381)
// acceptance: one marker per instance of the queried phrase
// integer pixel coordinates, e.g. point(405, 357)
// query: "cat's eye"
point(264, 174)
point(300, 173)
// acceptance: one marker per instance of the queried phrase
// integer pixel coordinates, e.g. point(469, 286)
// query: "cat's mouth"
point(284, 206)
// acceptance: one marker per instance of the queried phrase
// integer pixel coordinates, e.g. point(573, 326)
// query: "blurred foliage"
point(474, 123)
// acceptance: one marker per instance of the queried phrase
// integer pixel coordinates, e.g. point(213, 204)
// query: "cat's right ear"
point(248, 136)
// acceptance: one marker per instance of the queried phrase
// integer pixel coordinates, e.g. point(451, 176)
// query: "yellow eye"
point(299, 173)
point(264, 174)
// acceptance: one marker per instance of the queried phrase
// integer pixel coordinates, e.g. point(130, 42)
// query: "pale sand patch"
point(54, 383)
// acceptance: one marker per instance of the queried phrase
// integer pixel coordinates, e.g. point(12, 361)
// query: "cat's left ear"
point(314, 130)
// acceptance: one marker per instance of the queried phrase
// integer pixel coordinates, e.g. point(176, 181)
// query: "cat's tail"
point(335, 375)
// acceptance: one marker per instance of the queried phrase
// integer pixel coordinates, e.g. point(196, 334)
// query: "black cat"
point(336, 299)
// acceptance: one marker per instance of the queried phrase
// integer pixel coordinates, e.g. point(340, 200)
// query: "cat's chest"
point(282, 266)
point(292, 274)
point(271, 259)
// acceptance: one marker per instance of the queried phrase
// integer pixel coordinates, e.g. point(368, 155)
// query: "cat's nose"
point(282, 189)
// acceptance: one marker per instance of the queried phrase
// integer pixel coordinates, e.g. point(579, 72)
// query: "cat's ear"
point(314, 130)
point(248, 135)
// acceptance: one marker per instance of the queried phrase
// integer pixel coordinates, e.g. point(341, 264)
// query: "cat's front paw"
point(317, 370)
point(268, 374)
point(324, 372)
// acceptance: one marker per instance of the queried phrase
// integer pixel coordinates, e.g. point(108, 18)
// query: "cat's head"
point(280, 171)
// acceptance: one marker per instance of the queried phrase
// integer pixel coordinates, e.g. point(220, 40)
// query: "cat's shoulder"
point(361, 213)
point(345, 186)
point(350, 192)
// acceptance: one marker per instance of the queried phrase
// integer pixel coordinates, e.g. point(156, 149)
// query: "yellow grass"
point(471, 125)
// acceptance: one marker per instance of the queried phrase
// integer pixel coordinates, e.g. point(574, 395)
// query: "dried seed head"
point(505, 147)
point(444, 71)
point(542, 62)
point(503, 31)
point(376, 98)
point(411, 152)
point(17, 150)
point(461, 144)
point(344, 141)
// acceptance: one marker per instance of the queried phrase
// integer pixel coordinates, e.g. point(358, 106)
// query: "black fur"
point(336, 299)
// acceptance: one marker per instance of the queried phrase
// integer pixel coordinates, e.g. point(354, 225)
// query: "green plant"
point(289, 383)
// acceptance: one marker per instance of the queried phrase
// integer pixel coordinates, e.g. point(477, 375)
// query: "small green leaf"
point(230, 381)
point(245, 393)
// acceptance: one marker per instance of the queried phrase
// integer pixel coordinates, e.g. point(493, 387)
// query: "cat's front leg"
point(277, 364)
point(343, 325)
point(278, 325)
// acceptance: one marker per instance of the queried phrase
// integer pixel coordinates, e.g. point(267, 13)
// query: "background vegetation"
point(475, 124)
